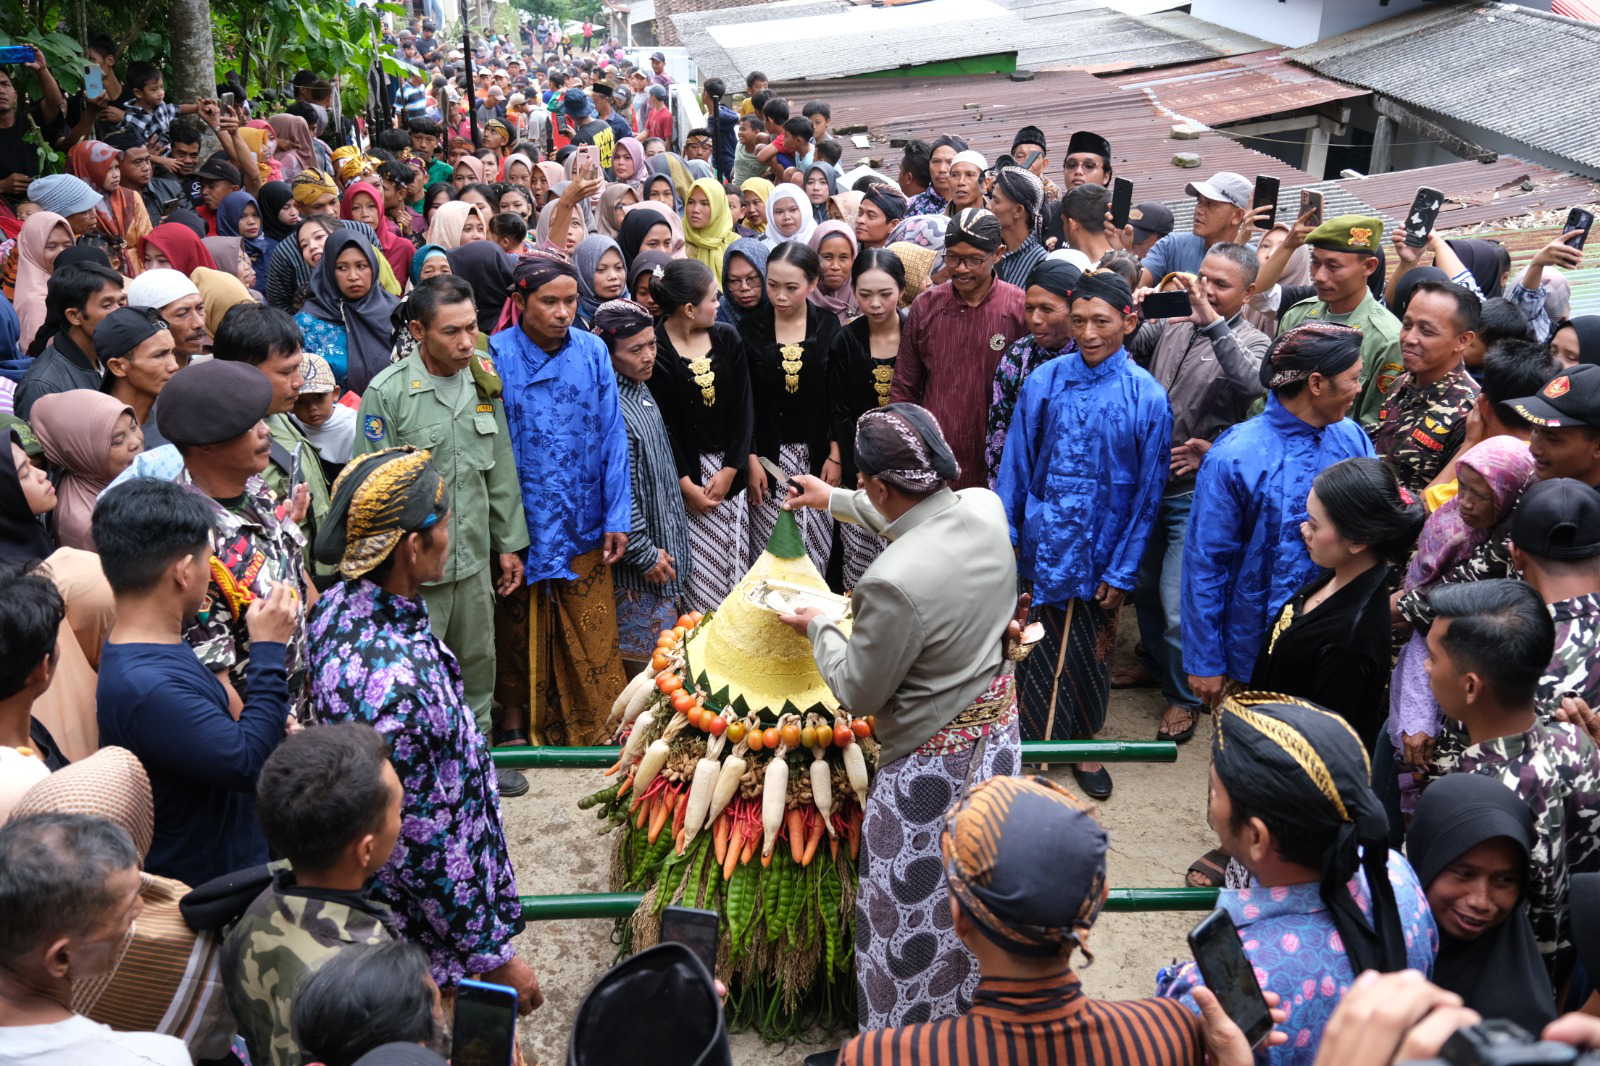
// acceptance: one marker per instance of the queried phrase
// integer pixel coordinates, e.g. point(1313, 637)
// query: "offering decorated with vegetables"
point(741, 786)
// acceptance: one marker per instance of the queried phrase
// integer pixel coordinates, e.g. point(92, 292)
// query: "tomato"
point(717, 726)
point(860, 728)
point(824, 735)
point(754, 739)
point(685, 621)
point(669, 683)
point(682, 702)
point(808, 737)
point(665, 639)
point(736, 732)
point(658, 661)
point(791, 735)
point(842, 735)
point(771, 739)
point(678, 633)
point(698, 616)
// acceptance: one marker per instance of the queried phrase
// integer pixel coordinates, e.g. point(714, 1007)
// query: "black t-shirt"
point(17, 156)
point(598, 132)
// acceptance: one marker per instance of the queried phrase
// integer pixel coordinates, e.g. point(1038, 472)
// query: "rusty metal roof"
point(1523, 243)
point(1237, 88)
point(895, 110)
point(1476, 193)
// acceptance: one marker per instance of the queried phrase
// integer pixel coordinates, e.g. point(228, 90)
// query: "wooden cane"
point(1055, 678)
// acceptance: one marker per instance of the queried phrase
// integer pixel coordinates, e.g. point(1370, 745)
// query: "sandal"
point(512, 738)
point(1209, 870)
point(1183, 734)
point(1135, 676)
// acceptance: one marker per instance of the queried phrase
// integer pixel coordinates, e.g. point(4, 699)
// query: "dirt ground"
point(1155, 817)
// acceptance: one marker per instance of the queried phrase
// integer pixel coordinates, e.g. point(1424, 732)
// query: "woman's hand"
point(832, 471)
point(663, 571)
point(717, 488)
point(695, 497)
point(758, 481)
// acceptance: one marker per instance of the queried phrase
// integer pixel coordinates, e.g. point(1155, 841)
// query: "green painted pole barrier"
point(623, 904)
point(1041, 751)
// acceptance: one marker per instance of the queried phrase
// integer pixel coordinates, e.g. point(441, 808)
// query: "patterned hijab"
point(1446, 540)
point(376, 500)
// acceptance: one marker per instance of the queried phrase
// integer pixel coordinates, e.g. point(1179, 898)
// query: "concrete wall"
point(1294, 23)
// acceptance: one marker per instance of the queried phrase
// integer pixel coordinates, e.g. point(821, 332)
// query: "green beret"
point(1348, 233)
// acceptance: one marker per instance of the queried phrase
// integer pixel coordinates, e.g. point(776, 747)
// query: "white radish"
point(774, 794)
point(855, 768)
point(641, 726)
point(727, 787)
point(822, 790)
point(706, 773)
point(655, 756)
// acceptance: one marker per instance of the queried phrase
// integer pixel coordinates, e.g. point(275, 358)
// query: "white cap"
point(157, 288)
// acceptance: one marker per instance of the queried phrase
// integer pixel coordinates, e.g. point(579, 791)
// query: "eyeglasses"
point(751, 282)
point(970, 262)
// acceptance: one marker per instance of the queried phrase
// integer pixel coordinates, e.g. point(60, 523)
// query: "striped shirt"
point(1046, 1020)
point(659, 517)
point(1016, 265)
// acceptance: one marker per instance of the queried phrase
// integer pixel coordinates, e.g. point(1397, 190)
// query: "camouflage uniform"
point(256, 545)
point(282, 937)
point(1489, 560)
point(1556, 771)
point(1575, 670)
point(1420, 427)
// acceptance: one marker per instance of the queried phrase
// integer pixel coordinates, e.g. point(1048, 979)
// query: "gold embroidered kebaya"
point(791, 355)
point(706, 378)
point(882, 379)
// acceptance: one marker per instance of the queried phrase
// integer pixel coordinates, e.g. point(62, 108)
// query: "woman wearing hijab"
point(457, 223)
point(789, 216)
point(642, 231)
point(756, 193)
point(239, 215)
point(229, 255)
point(516, 168)
point(707, 225)
point(631, 168)
point(295, 149)
point(1486, 261)
point(259, 138)
point(643, 271)
point(432, 254)
point(1469, 843)
point(602, 276)
point(614, 203)
point(363, 202)
point(1575, 340)
point(547, 175)
point(835, 245)
point(545, 232)
point(469, 171)
point(346, 316)
point(488, 270)
point(1466, 539)
point(672, 166)
point(123, 218)
point(175, 246)
point(26, 496)
point(279, 213)
point(821, 182)
point(219, 293)
point(88, 438)
point(45, 235)
point(744, 280)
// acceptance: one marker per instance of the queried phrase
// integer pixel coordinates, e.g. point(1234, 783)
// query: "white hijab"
point(808, 222)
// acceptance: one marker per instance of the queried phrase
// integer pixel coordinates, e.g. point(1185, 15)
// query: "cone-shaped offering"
point(743, 656)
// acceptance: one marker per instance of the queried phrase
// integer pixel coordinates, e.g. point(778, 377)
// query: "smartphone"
point(485, 1028)
point(1033, 157)
point(94, 82)
point(1121, 201)
point(227, 101)
point(16, 53)
point(695, 930)
point(1266, 195)
point(1228, 973)
point(1578, 221)
point(1166, 305)
point(1423, 214)
point(1311, 203)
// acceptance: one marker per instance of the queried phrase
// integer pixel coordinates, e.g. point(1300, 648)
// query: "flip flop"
point(512, 738)
point(1182, 734)
point(1212, 868)
point(1135, 676)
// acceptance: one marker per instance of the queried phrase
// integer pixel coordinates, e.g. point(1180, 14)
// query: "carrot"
point(678, 841)
point(719, 840)
point(797, 834)
point(736, 844)
point(658, 818)
point(644, 813)
point(751, 839)
point(622, 789)
point(812, 839)
point(614, 767)
point(833, 847)
point(855, 832)
point(679, 809)
point(766, 859)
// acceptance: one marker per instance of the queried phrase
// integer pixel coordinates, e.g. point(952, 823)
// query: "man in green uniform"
point(1344, 254)
point(446, 398)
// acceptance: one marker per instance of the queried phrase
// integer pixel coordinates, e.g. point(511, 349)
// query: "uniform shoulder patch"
point(486, 408)
point(372, 427)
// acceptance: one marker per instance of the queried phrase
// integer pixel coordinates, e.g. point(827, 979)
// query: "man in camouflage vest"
point(1555, 545)
point(1423, 419)
point(329, 801)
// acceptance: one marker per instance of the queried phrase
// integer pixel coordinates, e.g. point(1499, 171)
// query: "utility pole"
point(466, 59)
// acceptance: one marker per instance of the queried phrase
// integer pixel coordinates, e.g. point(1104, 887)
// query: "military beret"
point(192, 413)
point(1348, 233)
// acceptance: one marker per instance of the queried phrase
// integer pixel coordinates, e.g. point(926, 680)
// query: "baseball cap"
point(658, 55)
point(1225, 187)
point(1558, 519)
point(1150, 217)
point(219, 170)
point(318, 376)
point(1571, 398)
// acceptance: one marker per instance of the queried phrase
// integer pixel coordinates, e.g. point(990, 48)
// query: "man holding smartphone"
point(19, 161)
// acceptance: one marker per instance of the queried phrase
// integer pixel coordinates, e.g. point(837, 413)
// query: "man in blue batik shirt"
point(571, 448)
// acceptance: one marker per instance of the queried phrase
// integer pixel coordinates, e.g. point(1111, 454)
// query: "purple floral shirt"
point(1021, 359)
point(374, 659)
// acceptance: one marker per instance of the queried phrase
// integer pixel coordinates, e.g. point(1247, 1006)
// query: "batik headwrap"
point(538, 269)
point(1022, 187)
point(1325, 348)
point(1304, 771)
point(311, 185)
point(903, 445)
point(1026, 860)
point(976, 227)
point(1104, 285)
point(616, 319)
point(377, 499)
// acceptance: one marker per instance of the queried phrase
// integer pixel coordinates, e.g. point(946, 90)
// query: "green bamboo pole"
point(1042, 751)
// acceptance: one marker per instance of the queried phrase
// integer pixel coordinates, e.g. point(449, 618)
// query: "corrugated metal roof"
point(1237, 88)
point(901, 109)
point(1088, 35)
point(694, 28)
point(1466, 62)
point(1523, 243)
point(860, 40)
point(1477, 193)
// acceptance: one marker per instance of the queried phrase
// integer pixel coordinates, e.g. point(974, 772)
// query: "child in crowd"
point(330, 426)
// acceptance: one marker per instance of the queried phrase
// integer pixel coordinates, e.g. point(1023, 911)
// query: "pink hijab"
point(445, 229)
point(32, 276)
point(1446, 540)
point(842, 302)
point(472, 163)
point(75, 429)
point(294, 139)
point(673, 220)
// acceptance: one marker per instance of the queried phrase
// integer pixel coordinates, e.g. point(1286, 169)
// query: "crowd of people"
point(341, 455)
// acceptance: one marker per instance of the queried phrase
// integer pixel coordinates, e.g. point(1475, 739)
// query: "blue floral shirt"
point(571, 446)
point(327, 340)
point(374, 659)
point(1291, 941)
point(1081, 476)
point(1243, 556)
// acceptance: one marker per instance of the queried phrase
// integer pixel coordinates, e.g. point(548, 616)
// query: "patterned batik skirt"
point(861, 546)
point(910, 965)
point(1072, 669)
point(816, 527)
point(718, 543)
point(641, 616)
